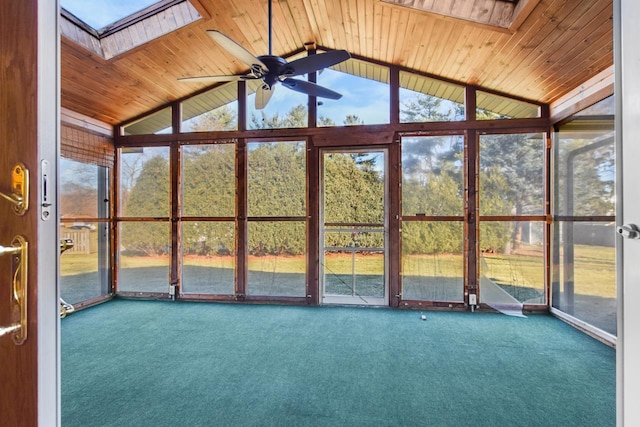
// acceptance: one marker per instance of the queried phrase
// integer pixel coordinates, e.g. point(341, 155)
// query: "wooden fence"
point(80, 238)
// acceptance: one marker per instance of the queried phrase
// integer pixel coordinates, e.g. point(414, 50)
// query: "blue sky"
point(367, 99)
point(100, 13)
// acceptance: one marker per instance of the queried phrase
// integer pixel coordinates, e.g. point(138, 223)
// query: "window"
point(423, 99)
point(216, 109)
point(245, 213)
point(84, 210)
point(511, 188)
point(491, 107)
point(432, 214)
point(365, 94)
point(144, 227)
point(277, 208)
point(286, 108)
point(584, 279)
point(208, 219)
point(158, 122)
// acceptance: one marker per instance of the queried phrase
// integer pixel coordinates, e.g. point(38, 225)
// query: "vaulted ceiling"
point(533, 49)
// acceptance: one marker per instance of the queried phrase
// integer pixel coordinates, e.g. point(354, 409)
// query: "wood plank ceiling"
point(558, 45)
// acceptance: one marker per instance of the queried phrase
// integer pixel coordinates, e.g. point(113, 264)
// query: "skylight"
point(111, 27)
point(498, 14)
point(102, 13)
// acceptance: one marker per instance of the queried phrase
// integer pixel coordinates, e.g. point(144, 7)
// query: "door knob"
point(630, 231)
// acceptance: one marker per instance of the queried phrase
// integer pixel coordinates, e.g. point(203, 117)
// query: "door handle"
point(18, 250)
point(630, 231)
point(65, 307)
point(19, 195)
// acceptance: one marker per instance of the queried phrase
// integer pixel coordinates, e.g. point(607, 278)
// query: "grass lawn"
point(424, 277)
point(594, 266)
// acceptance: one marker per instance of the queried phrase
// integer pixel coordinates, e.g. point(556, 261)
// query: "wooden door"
point(28, 136)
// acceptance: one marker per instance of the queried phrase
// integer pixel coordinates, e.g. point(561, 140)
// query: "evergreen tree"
point(593, 184)
point(325, 121)
point(426, 108)
point(209, 189)
point(276, 188)
point(209, 180)
point(222, 118)
point(352, 119)
point(495, 200)
point(149, 197)
point(510, 183)
point(432, 184)
point(353, 193)
point(295, 118)
point(519, 160)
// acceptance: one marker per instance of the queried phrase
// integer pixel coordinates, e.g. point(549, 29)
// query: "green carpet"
point(139, 363)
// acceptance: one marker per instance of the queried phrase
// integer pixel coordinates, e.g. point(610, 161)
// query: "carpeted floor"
point(135, 363)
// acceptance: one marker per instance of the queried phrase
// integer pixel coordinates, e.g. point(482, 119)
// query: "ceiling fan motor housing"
point(273, 72)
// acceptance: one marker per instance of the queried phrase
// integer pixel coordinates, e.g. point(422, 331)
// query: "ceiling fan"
point(273, 69)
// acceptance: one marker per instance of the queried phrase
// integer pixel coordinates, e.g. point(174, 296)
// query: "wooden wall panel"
point(584, 95)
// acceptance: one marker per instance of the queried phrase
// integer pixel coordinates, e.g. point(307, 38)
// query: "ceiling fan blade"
point(312, 63)
point(235, 49)
point(263, 95)
point(310, 88)
point(212, 78)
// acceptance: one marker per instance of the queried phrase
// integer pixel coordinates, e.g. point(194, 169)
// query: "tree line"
point(511, 182)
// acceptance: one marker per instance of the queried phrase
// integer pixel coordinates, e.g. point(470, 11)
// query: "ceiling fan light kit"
point(273, 69)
